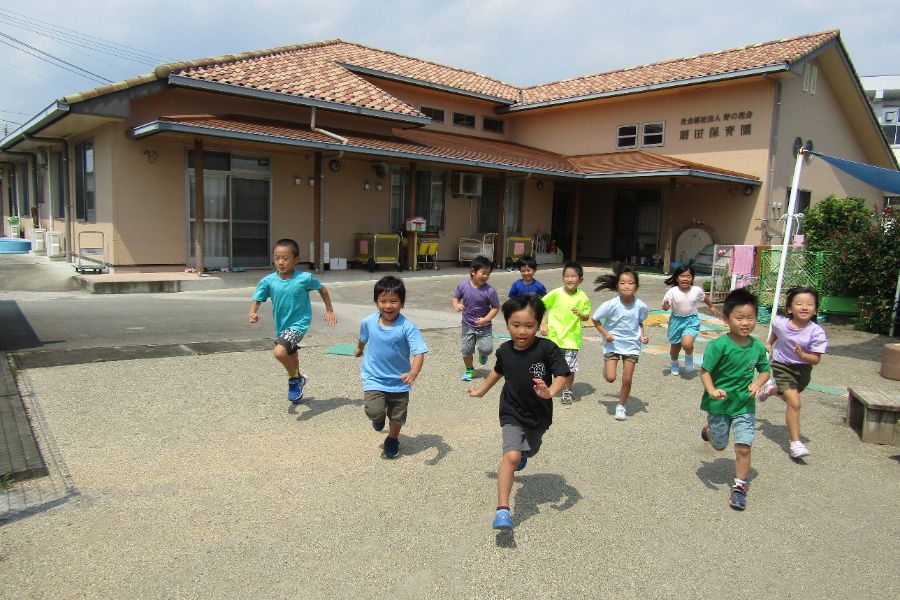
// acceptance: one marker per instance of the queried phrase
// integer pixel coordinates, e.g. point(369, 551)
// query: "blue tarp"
point(883, 179)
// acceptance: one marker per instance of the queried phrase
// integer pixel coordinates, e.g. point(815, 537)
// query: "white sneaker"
point(689, 363)
point(567, 397)
point(675, 368)
point(767, 390)
point(621, 415)
point(798, 450)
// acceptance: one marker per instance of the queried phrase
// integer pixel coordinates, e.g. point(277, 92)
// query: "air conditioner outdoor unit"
point(55, 245)
point(37, 240)
point(467, 184)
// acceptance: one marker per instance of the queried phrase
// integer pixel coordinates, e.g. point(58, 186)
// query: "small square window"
point(626, 137)
point(653, 134)
point(435, 114)
point(464, 120)
point(495, 125)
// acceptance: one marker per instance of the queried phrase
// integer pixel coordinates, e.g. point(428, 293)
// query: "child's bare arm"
point(606, 335)
point(457, 305)
point(555, 386)
point(488, 317)
point(811, 358)
point(707, 299)
point(709, 386)
point(330, 318)
point(644, 338)
point(360, 346)
point(417, 362)
point(252, 314)
point(758, 382)
point(771, 341)
point(489, 381)
point(543, 327)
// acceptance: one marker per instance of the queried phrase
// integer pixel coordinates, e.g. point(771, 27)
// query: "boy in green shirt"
point(729, 387)
point(567, 307)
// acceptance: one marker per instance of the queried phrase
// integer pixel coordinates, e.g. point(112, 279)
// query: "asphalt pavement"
point(189, 475)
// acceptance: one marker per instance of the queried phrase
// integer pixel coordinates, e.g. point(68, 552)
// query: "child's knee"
point(610, 377)
point(512, 457)
point(280, 352)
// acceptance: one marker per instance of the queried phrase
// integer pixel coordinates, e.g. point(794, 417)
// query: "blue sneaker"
point(738, 496)
point(295, 388)
point(468, 374)
point(391, 447)
point(482, 359)
point(503, 520)
point(522, 462)
point(378, 424)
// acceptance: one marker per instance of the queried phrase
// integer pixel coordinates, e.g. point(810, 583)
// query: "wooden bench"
point(873, 414)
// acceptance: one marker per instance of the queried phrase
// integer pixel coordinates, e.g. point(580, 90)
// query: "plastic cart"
point(373, 249)
point(469, 248)
point(518, 246)
point(91, 255)
point(426, 251)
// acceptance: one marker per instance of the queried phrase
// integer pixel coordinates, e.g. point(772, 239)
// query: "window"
point(464, 120)
point(435, 114)
point(810, 74)
point(626, 137)
point(891, 201)
point(429, 198)
point(891, 134)
point(804, 199)
point(489, 204)
point(59, 185)
point(495, 125)
point(653, 134)
point(84, 182)
point(213, 161)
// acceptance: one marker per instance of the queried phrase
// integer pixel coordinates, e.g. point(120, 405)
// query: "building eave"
point(55, 111)
point(237, 90)
point(677, 173)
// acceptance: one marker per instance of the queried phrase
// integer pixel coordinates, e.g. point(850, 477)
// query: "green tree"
point(833, 218)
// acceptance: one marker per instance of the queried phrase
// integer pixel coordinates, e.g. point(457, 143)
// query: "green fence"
point(802, 268)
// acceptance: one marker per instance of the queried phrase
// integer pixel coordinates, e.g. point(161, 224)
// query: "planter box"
point(839, 304)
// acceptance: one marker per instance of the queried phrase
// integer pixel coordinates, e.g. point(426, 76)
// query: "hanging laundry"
point(742, 260)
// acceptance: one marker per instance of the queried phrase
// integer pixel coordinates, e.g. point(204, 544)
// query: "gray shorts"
point(290, 339)
point(392, 405)
point(571, 357)
point(482, 338)
point(519, 439)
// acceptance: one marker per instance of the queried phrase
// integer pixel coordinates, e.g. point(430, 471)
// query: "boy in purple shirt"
point(479, 304)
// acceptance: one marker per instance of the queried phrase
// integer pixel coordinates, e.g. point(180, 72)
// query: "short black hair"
point(527, 261)
point(390, 284)
point(575, 267)
point(796, 291)
point(288, 243)
point(517, 303)
point(481, 262)
point(740, 297)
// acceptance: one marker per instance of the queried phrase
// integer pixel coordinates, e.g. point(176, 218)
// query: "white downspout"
point(334, 136)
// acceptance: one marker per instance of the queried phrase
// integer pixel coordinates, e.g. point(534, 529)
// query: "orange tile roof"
point(735, 60)
point(330, 71)
point(438, 145)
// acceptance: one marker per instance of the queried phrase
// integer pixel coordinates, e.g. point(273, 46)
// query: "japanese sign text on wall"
point(716, 125)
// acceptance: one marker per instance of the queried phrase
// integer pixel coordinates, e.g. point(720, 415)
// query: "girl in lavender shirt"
point(796, 343)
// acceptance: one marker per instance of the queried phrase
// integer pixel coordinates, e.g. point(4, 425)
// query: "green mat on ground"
point(502, 336)
point(342, 349)
point(827, 389)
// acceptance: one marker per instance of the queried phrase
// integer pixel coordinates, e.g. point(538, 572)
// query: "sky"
point(521, 42)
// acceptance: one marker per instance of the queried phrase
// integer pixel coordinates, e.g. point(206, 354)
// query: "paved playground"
point(191, 476)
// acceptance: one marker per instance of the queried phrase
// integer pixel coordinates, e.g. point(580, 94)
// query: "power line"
point(95, 78)
point(47, 54)
point(94, 40)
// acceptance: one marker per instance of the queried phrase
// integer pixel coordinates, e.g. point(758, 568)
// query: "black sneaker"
point(522, 462)
point(378, 424)
point(391, 447)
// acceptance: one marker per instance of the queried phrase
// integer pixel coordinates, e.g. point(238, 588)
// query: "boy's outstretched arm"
point(758, 382)
point(330, 319)
point(417, 362)
point(360, 346)
point(545, 392)
point(489, 381)
point(252, 315)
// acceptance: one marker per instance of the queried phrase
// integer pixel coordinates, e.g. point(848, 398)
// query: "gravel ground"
point(193, 477)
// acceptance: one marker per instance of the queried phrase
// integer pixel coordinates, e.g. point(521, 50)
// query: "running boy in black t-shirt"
point(529, 364)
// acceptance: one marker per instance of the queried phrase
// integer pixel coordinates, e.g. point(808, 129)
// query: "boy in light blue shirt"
point(291, 310)
point(387, 373)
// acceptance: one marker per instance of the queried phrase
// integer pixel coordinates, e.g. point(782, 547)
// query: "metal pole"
point(789, 221)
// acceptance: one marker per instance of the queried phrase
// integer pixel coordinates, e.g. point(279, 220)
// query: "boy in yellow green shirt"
point(567, 307)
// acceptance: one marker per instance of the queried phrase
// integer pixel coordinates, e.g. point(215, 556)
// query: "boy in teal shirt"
point(729, 387)
point(567, 307)
point(291, 310)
